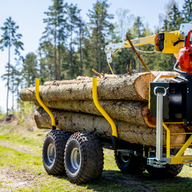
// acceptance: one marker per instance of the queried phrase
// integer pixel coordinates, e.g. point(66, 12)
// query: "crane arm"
point(110, 49)
point(165, 42)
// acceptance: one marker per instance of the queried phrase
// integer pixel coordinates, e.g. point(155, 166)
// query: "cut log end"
point(142, 84)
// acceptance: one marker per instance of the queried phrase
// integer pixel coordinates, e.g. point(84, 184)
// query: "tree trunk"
point(59, 65)
point(100, 48)
point(8, 80)
point(129, 111)
point(70, 55)
point(134, 87)
point(80, 48)
point(132, 133)
point(55, 59)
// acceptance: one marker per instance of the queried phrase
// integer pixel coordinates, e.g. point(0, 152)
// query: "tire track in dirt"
point(11, 179)
point(19, 148)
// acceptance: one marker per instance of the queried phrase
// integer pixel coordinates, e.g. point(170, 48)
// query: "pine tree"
point(138, 28)
point(15, 82)
point(56, 30)
point(73, 14)
point(30, 69)
point(47, 58)
point(187, 11)
point(100, 27)
point(175, 18)
point(81, 38)
point(10, 38)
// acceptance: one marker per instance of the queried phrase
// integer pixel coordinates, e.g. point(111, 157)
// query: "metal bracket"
point(158, 160)
point(159, 163)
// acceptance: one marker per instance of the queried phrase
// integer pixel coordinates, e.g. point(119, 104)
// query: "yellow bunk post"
point(104, 113)
point(43, 105)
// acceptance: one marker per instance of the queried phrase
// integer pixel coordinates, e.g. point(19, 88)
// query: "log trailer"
point(80, 154)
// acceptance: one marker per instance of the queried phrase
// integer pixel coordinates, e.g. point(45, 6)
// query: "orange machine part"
point(185, 55)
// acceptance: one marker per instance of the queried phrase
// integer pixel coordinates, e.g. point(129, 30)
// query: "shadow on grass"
point(116, 181)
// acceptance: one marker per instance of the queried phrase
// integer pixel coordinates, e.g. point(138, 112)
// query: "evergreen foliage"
point(70, 47)
point(187, 11)
point(10, 38)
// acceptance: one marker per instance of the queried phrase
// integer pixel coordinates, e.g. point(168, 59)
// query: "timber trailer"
point(169, 102)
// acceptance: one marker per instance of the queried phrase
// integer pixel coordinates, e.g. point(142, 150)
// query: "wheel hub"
point(51, 153)
point(125, 159)
point(75, 158)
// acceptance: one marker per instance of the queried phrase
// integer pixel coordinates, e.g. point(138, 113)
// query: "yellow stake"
point(102, 111)
point(41, 102)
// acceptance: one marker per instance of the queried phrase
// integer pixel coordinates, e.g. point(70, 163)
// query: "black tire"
point(169, 171)
point(130, 164)
point(83, 158)
point(53, 151)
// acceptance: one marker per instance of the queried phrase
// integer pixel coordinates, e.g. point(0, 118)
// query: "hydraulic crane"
point(170, 102)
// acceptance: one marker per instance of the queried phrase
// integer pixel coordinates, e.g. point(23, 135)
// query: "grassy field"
point(21, 167)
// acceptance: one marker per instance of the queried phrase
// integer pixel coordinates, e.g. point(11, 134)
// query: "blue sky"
point(29, 16)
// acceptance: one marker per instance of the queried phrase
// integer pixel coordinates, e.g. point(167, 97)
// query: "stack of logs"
point(125, 99)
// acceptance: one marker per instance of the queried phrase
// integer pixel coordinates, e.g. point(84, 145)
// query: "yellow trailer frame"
point(179, 158)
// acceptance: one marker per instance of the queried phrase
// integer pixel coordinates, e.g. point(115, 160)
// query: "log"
point(133, 87)
point(74, 122)
point(133, 112)
point(80, 79)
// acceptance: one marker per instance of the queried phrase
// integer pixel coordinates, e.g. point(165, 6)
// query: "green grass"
point(28, 167)
point(20, 161)
point(18, 135)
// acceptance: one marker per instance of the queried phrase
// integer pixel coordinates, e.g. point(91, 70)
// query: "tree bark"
point(7, 105)
point(134, 87)
point(81, 79)
point(59, 60)
point(55, 58)
point(74, 122)
point(133, 112)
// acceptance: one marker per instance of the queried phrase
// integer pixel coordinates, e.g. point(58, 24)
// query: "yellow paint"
point(140, 41)
point(187, 133)
point(181, 160)
point(110, 68)
point(102, 111)
point(173, 123)
point(168, 76)
point(169, 39)
point(184, 147)
point(168, 140)
point(41, 102)
point(149, 100)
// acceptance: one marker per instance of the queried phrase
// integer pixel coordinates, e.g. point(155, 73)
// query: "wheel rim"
point(51, 153)
point(125, 159)
point(75, 158)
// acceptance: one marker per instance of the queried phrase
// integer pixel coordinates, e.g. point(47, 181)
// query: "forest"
point(70, 47)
